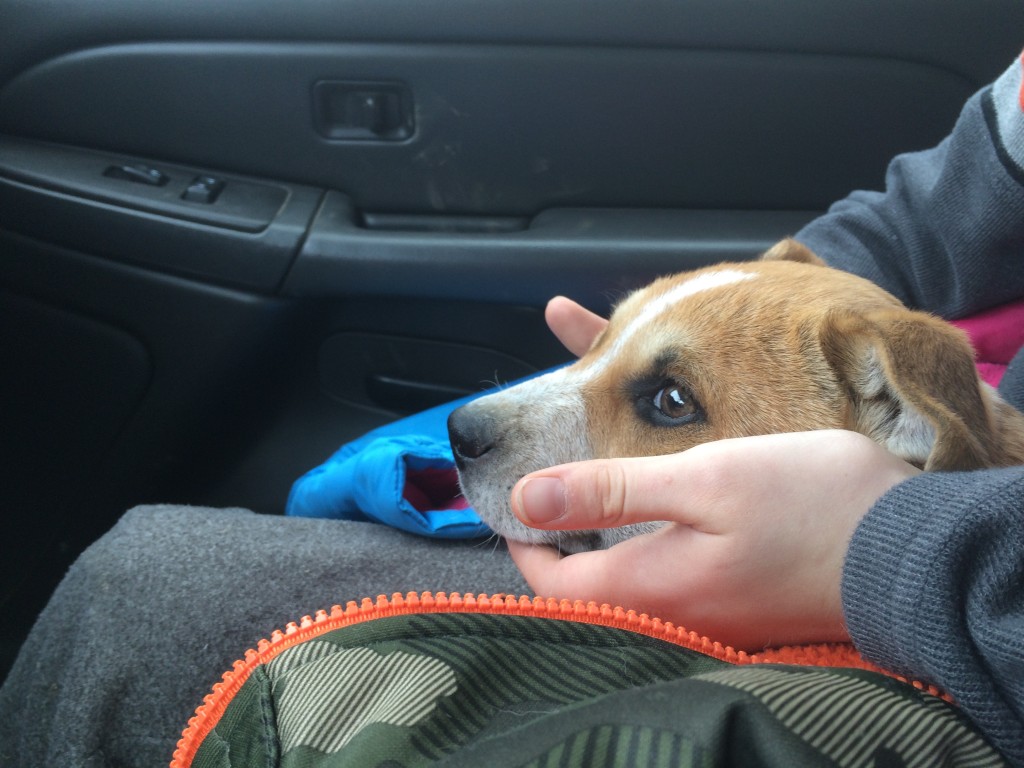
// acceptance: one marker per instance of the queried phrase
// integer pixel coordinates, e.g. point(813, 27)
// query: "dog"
point(780, 344)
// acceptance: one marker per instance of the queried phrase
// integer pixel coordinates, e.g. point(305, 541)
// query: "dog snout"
point(471, 434)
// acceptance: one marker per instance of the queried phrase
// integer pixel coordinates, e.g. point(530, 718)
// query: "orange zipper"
point(210, 711)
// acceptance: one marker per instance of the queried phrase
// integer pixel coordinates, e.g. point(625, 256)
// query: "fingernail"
point(541, 500)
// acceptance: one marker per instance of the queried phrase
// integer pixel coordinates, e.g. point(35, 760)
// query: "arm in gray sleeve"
point(933, 587)
point(947, 234)
point(933, 584)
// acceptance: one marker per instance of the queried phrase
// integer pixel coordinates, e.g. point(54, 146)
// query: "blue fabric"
point(380, 475)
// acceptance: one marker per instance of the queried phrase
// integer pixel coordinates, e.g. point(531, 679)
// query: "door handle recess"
point(408, 396)
point(345, 110)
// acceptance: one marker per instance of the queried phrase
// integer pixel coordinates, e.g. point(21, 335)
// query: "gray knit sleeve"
point(947, 234)
point(933, 587)
point(933, 584)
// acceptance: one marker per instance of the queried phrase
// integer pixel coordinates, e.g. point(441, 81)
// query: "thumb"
point(604, 493)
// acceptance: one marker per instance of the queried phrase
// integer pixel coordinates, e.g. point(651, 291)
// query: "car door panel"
point(246, 237)
point(504, 129)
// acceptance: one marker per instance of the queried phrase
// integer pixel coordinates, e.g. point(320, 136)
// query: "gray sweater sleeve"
point(947, 234)
point(933, 585)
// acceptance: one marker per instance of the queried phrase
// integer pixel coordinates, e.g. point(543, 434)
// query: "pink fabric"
point(996, 334)
point(429, 489)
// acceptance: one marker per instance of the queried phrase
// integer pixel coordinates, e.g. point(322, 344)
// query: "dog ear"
point(913, 387)
point(790, 250)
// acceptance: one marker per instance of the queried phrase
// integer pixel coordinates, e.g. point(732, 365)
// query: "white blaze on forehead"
point(657, 306)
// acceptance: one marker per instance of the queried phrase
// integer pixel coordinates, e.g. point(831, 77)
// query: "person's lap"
point(150, 615)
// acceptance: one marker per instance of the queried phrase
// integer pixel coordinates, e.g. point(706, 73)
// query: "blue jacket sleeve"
point(401, 474)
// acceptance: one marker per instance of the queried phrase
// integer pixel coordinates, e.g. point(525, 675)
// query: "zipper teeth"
point(355, 612)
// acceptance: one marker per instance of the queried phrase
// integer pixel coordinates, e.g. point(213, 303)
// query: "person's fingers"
point(533, 560)
point(575, 326)
point(606, 493)
point(756, 535)
point(708, 485)
point(583, 576)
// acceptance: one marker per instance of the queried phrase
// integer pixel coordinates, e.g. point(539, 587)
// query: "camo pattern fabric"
point(483, 690)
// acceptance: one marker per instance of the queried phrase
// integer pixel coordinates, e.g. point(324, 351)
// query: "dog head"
point(783, 344)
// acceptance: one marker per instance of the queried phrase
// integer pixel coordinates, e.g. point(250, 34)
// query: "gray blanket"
point(149, 617)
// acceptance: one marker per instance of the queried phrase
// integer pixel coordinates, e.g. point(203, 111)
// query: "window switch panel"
point(139, 173)
point(203, 189)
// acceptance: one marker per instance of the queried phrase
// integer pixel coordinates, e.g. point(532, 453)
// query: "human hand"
point(756, 535)
point(575, 326)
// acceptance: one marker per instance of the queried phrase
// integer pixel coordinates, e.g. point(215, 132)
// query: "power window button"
point(140, 174)
point(203, 189)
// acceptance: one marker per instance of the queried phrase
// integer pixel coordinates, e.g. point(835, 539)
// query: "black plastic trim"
point(247, 238)
point(505, 131)
point(583, 252)
point(967, 37)
point(242, 204)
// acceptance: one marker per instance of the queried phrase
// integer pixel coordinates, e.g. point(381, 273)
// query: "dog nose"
point(470, 434)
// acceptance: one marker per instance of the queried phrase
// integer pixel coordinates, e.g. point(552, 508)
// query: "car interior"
point(234, 236)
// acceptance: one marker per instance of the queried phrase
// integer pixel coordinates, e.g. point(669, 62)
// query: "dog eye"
point(675, 402)
point(671, 405)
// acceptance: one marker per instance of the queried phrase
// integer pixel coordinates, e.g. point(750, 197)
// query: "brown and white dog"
point(783, 344)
